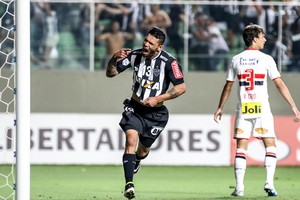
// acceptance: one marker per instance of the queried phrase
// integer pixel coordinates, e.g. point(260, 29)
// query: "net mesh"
point(7, 100)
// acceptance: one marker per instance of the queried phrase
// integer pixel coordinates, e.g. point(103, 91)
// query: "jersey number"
point(250, 79)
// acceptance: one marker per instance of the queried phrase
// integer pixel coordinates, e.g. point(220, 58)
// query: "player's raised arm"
point(111, 69)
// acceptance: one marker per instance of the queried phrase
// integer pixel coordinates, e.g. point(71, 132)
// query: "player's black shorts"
point(149, 122)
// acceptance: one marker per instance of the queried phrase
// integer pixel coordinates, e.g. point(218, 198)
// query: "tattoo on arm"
point(111, 69)
point(173, 93)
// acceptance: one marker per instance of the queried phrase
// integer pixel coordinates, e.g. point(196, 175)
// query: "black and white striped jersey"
point(151, 77)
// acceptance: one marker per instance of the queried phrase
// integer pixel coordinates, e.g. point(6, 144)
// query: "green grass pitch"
point(82, 182)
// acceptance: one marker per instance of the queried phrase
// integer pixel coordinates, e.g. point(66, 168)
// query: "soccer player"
point(145, 116)
point(253, 114)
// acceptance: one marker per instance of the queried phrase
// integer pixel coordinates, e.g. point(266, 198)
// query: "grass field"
point(156, 183)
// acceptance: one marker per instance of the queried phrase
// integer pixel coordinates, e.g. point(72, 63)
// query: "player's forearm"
point(284, 91)
point(111, 69)
point(224, 96)
point(173, 93)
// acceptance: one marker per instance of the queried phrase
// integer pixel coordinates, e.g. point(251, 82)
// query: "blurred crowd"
point(211, 33)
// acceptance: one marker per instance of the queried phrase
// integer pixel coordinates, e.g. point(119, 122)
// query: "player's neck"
point(153, 55)
point(252, 48)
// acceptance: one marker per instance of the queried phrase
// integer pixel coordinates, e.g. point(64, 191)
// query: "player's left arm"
point(284, 91)
point(173, 93)
point(179, 87)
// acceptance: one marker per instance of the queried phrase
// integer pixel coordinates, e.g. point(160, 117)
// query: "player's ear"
point(255, 39)
point(160, 47)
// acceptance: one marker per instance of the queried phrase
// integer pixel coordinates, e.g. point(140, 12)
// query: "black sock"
point(128, 166)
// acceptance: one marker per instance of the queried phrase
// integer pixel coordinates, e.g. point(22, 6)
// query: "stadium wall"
point(93, 92)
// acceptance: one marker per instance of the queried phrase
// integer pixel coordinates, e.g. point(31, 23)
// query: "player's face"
point(151, 46)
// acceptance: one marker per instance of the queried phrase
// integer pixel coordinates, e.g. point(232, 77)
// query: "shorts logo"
point(176, 70)
point(261, 130)
point(125, 62)
point(156, 130)
point(128, 109)
point(239, 131)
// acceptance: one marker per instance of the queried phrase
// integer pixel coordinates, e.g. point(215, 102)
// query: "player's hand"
point(297, 114)
point(218, 115)
point(297, 118)
point(150, 101)
point(122, 53)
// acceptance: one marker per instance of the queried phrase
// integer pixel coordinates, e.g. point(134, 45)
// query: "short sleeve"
point(175, 73)
point(231, 74)
point(273, 72)
point(124, 63)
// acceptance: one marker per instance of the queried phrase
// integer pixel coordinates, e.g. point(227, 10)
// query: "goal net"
point(7, 100)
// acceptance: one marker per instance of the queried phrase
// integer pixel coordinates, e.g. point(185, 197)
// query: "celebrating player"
point(253, 116)
point(145, 116)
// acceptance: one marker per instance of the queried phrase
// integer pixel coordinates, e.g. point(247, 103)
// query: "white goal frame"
point(22, 42)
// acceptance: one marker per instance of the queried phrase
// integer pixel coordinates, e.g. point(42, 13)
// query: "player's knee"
point(143, 152)
point(241, 153)
point(271, 151)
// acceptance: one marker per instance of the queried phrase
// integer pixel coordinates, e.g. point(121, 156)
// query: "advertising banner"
point(187, 140)
point(98, 139)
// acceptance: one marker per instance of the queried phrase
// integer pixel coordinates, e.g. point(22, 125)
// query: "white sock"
point(240, 168)
point(270, 164)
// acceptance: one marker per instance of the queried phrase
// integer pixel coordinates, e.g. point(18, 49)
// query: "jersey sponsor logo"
point(156, 130)
point(147, 85)
point(249, 79)
point(150, 84)
point(248, 61)
point(176, 70)
point(251, 108)
point(125, 62)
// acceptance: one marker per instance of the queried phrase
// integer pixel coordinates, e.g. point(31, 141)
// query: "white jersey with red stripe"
point(251, 68)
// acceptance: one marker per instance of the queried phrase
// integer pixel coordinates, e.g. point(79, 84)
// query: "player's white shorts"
point(257, 127)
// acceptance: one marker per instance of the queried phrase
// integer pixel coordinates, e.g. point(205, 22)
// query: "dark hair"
point(250, 32)
point(158, 34)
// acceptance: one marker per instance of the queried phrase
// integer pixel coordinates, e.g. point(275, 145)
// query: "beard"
point(149, 52)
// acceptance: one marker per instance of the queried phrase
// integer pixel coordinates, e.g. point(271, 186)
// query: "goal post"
point(22, 40)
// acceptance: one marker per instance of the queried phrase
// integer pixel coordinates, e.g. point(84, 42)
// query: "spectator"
point(295, 37)
point(37, 16)
point(83, 33)
point(199, 43)
point(267, 21)
point(51, 35)
point(232, 19)
point(217, 46)
point(173, 32)
point(115, 39)
point(251, 12)
point(44, 35)
point(158, 17)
